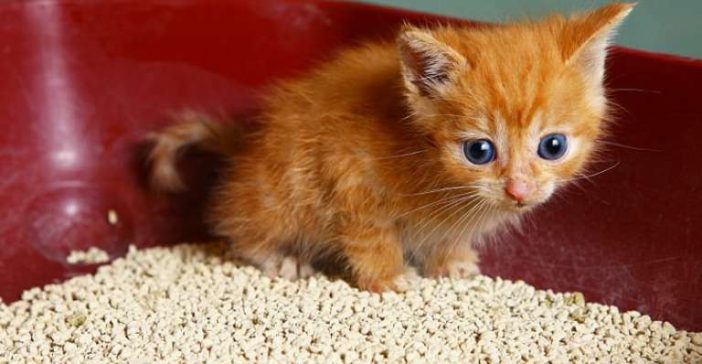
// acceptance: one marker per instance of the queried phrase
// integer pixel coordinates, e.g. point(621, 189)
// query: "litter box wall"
point(84, 81)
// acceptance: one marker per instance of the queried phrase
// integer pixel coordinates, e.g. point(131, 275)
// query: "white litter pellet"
point(112, 217)
point(91, 256)
point(189, 304)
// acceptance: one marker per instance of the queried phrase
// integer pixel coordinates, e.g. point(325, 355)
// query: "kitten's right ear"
point(584, 41)
point(428, 65)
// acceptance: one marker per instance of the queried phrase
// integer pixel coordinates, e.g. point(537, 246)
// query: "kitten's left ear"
point(428, 65)
point(585, 38)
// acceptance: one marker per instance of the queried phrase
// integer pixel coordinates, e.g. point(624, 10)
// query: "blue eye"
point(553, 146)
point(480, 151)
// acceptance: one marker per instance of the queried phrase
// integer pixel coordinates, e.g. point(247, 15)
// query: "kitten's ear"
point(585, 38)
point(428, 65)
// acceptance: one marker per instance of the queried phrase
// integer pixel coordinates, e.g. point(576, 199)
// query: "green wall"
point(667, 26)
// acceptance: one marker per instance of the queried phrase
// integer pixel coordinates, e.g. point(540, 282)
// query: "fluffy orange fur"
point(362, 161)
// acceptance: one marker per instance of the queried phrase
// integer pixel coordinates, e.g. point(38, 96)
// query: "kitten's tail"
point(190, 129)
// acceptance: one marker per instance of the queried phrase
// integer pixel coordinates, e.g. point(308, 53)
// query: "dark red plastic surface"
point(83, 81)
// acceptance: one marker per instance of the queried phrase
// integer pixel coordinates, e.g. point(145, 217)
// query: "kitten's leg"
point(249, 212)
point(375, 257)
point(269, 259)
point(452, 260)
point(288, 267)
point(292, 268)
point(305, 270)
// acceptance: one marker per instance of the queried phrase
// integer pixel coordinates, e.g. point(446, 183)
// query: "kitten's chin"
point(513, 207)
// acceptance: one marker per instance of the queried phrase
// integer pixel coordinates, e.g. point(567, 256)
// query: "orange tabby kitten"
point(408, 152)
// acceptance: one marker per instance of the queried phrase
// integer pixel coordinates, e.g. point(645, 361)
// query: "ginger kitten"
point(407, 152)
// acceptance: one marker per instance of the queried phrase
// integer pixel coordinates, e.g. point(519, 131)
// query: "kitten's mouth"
point(519, 206)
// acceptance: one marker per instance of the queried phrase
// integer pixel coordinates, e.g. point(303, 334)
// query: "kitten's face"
point(514, 111)
point(516, 145)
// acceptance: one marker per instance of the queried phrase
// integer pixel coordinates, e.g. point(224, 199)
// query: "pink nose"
point(517, 189)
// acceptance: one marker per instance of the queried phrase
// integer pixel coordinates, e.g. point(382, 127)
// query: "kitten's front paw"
point(398, 283)
point(454, 269)
point(286, 267)
point(382, 285)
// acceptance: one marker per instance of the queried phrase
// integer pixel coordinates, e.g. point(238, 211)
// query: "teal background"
point(667, 26)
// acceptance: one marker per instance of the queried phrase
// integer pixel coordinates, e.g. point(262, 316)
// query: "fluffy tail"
point(190, 129)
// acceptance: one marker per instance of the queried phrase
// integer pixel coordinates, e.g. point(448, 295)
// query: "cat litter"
point(91, 256)
point(189, 304)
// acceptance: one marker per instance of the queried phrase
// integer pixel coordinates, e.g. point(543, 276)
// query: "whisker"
point(472, 211)
point(445, 207)
point(481, 219)
point(578, 186)
point(658, 92)
point(629, 147)
point(402, 155)
point(482, 210)
point(438, 225)
point(466, 224)
point(443, 189)
point(452, 115)
point(471, 193)
point(479, 211)
point(591, 175)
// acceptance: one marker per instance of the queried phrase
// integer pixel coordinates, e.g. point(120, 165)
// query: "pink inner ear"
point(427, 68)
point(423, 76)
point(427, 62)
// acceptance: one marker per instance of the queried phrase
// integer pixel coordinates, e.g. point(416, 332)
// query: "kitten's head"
point(514, 110)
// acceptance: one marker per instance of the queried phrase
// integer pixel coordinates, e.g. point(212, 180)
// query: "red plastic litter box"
point(84, 81)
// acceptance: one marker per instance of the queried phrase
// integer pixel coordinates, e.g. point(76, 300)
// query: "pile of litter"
point(189, 304)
